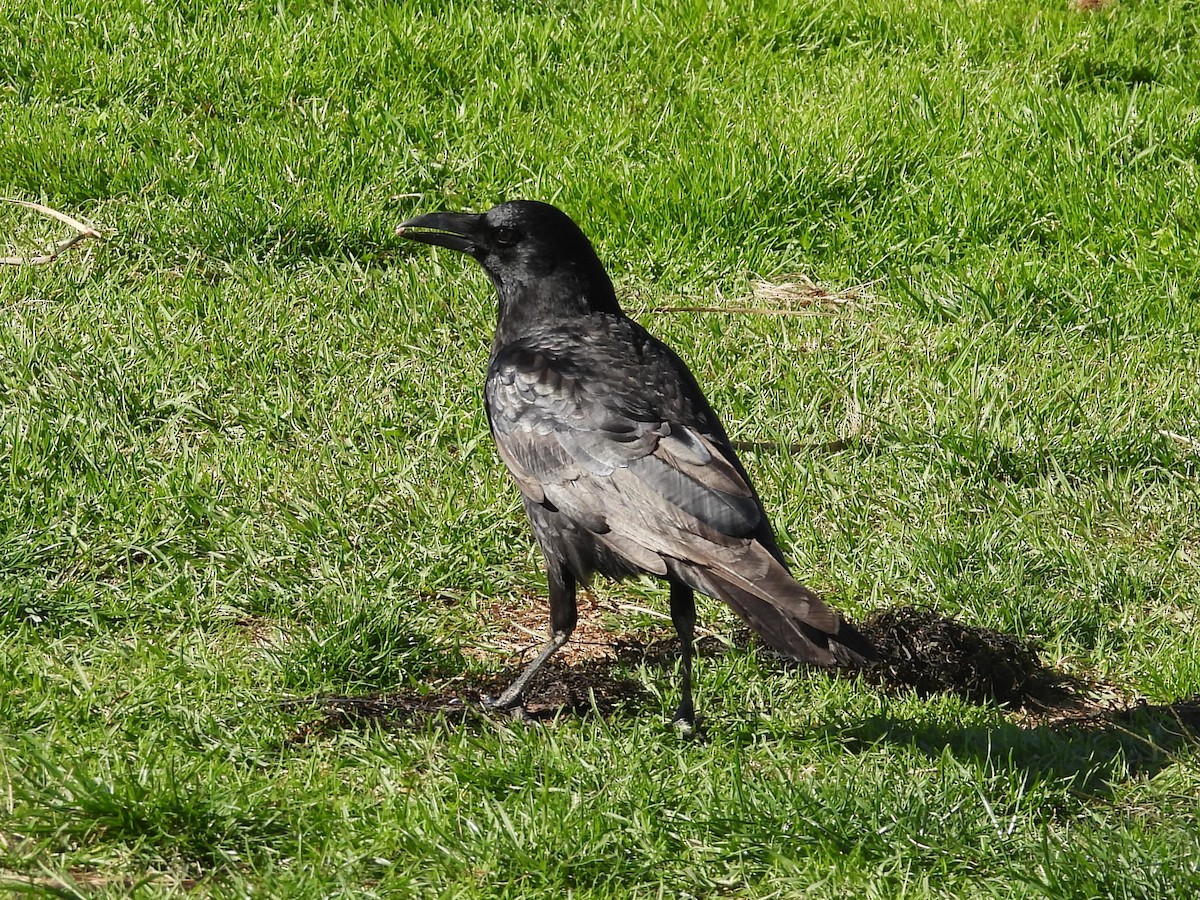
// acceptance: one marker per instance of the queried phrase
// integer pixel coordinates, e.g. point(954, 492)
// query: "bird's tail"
point(787, 615)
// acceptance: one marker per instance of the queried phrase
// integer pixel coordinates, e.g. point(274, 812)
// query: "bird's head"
point(532, 251)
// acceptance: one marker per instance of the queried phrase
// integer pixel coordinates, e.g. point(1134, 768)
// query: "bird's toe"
point(513, 706)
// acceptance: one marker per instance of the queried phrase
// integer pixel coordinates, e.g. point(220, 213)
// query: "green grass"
point(244, 457)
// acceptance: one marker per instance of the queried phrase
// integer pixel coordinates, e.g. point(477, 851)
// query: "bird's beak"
point(445, 229)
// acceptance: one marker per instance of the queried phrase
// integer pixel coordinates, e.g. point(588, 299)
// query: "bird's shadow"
point(588, 688)
point(1061, 726)
point(592, 688)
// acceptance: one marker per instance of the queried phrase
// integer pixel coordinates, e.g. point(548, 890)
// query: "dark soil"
point(932, 654)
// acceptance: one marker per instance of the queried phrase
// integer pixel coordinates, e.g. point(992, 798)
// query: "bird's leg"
point(563, 616)
point(683, 615)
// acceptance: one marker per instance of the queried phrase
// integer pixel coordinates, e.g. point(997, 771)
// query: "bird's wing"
point(651, 488)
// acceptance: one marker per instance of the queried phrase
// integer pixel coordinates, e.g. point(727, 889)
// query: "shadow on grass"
point(1088, 753)
point(1085, 734)
point(589, 688)
point(1063, 727)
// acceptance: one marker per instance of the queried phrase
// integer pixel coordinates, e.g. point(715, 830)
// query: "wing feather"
point(657, 489)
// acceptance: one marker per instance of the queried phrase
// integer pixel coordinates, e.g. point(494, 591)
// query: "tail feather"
point(788, 616)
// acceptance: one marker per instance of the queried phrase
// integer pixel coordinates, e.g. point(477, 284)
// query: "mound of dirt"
point(931, 654)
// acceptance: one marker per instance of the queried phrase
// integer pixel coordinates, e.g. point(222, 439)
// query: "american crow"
point(622, 464)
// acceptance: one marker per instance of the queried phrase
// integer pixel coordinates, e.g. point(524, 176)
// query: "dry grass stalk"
point(1188, 443)
point(82, 232)
point(798, 295)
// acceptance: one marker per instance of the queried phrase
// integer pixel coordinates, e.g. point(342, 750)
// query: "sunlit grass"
point(244, 457)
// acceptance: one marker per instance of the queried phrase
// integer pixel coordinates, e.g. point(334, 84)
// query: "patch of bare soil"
point(1182, 717)
point(519, 627)
point(584, 683)
point(791, 295)
point(932, 654)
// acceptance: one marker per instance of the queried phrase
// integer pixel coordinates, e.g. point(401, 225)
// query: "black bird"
point(622, 464)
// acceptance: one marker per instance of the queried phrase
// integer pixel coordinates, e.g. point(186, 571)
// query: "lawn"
point(255, 539)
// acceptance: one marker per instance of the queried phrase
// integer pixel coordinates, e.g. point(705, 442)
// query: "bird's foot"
point(514, 706)
point(685, 726)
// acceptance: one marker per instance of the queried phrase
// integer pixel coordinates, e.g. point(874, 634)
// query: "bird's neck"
point(527, 306)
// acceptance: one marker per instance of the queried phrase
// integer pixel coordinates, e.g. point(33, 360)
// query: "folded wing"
point(661, 494)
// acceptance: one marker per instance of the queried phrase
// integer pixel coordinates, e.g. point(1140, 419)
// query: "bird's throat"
point(528, 307)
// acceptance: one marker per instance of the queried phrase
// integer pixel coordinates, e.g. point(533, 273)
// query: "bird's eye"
point(505, 236)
